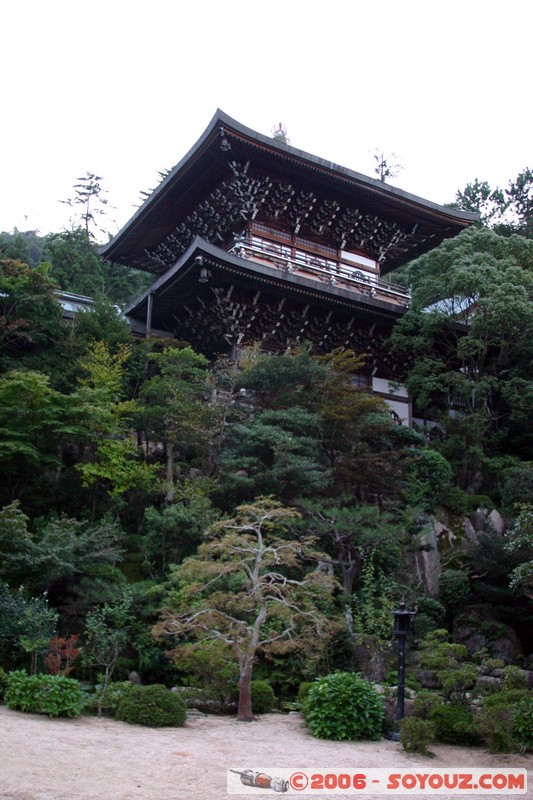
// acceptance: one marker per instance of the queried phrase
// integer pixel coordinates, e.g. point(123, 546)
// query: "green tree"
point(174, 532)
point(275, 453)
point(55, 548)
point(75, 264)
point(241, 588)
point(106, 636)
point(469, 334)
point(116, 463)
point(26, 625)
point(519, 541)
point(173, 408)
point(507, 211)
point(353, 536)
point(35, 420)
point(89, 203)
point(24, 246)
point(30, 316)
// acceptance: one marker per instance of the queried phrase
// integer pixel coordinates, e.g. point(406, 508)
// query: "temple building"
point(250, 239)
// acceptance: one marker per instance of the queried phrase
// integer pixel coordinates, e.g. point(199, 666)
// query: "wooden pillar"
point(149, 308)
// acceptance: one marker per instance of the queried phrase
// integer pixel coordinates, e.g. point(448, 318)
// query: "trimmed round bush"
point(263, 697)
point(344, 706)
point(154, 706)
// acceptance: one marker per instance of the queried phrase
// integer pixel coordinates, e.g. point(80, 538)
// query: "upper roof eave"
point(233, 127)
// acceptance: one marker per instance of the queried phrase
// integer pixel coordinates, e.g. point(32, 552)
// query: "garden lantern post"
point(402, 629)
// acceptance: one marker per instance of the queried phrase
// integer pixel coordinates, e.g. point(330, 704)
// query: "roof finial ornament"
point(280, 134)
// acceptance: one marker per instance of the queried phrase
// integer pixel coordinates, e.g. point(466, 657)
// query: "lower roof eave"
point(204, 254)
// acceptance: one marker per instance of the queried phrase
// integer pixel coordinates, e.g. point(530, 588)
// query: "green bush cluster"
point(154, 706)
point(506, 721)
point(343, 706)
point(455, 724)
point(496, 725)
point(523, 722)
point(424, 701)
point(263, 697)
point(54, 695)
point(303, 691)
point(113, 695)
point(4, 677)
point(417, 734)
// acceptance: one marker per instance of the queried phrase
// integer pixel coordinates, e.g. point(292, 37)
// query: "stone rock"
point(427, 558)
point(471, 532)
point(507, 647)
point(428, 679)
point(478, 519)
point(472, 627)
point(195, 712)
point(135, 678)
point(497, 522)
point(488, 683)
point(370, 660)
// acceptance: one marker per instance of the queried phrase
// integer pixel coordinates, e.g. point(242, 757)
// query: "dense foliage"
point(271, 507)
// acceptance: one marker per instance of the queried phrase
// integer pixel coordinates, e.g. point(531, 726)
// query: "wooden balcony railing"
point(323, 268)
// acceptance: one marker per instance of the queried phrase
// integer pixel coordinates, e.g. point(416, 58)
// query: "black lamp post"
point(402, 629)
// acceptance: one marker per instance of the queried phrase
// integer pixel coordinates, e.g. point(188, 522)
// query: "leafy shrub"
point(3, 682)
point(424, 701)
point(475, 501)
point(454, 587)
point(427, 479)
point(505, 698)
point(456, 682)
point(54, 695)
point(436, 653)
point(507, 720)
point(496, 725)
point(416, 735)
point(263, 697)
point(430, 616)
point(154, 706)
point(523, 722)
point(343, 706)
point(211, 667)
point(513, 678)
point(454, 724)
point(303, 691)
point(114, 693)
point(455, 499)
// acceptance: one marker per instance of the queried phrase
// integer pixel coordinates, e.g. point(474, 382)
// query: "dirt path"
point(90, 759)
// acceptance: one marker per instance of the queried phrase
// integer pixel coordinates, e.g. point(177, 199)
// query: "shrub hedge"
point(55, 695)
point(154, 706)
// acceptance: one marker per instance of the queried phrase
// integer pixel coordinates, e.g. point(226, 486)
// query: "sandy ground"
point(91, 759)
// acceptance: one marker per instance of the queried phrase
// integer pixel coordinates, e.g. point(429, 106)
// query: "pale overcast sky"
point(124, 89)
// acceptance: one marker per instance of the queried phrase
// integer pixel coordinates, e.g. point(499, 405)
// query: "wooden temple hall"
point(250, 239)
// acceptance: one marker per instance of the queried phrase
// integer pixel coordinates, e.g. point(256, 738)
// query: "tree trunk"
point(169, 496)
point(244, 711)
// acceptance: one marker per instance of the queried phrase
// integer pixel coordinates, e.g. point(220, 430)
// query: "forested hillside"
point(151, 500)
